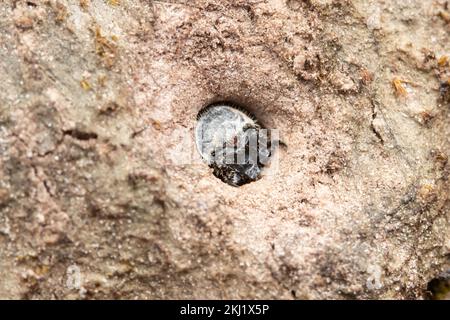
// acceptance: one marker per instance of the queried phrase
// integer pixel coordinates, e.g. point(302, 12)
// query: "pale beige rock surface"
point(96, 98)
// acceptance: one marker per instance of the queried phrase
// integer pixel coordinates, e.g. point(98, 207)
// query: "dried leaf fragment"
point(399, 87)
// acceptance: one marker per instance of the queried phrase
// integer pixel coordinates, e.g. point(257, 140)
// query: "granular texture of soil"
point(101, 191)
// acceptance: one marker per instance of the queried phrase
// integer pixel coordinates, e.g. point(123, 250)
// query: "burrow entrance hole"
point(232, 141)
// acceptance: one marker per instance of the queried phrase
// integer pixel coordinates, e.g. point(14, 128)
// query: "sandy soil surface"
point(101, 194)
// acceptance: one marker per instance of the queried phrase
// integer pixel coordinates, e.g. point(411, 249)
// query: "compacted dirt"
point(103, 195)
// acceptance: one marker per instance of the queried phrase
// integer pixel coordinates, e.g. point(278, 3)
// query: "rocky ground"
point(100, 196)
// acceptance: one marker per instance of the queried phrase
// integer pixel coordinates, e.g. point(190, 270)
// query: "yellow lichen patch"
point(443, 61)
point(85, 85)
point(114, 2)
point(399, 86)
point(445, 16)
point(105, 48)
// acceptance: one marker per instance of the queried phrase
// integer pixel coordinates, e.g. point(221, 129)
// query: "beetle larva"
point(232, 143)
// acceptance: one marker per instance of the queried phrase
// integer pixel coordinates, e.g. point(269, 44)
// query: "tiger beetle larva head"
point(228, 139)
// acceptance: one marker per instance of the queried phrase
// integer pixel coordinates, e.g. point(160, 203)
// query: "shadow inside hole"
point(439, 287)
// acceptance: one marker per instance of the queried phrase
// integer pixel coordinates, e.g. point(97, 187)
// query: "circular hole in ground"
point(233, 142)
point(439, 287)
